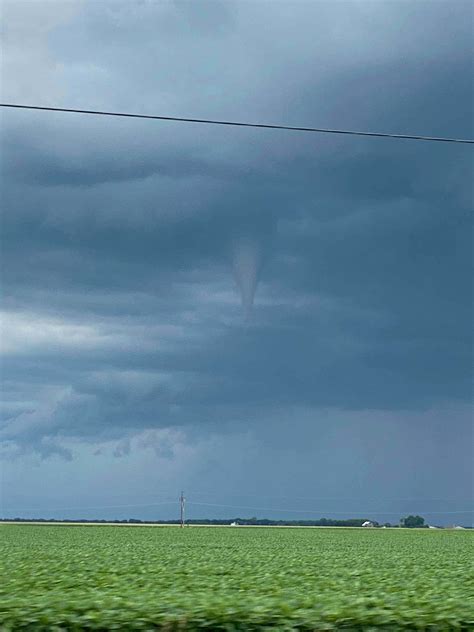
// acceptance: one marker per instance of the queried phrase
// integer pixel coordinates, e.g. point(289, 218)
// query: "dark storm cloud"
point(121, 314)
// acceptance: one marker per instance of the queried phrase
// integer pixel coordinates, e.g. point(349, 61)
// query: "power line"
point(240, 124)
point(329, 498)
point(182, 500)
point(329, 511)
point(169, 496)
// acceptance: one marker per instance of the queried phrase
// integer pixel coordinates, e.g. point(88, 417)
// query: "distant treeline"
point(409, 521)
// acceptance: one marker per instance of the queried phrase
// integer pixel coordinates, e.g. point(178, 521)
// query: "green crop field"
point(144, 578)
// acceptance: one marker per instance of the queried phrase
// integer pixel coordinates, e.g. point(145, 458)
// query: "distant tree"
point(413, 522)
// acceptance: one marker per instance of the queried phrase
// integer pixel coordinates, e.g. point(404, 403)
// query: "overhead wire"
point(371, 511)
point(314, 511)
point(326, 498)
point(180, 119)
point(243, 506)
point(169, 496)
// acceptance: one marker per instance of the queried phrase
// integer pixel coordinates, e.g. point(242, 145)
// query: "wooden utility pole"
point(182, 500)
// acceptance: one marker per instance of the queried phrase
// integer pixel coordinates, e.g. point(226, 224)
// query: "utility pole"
point(182, 500)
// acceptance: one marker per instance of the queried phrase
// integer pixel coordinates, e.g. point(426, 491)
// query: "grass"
point(105, 578)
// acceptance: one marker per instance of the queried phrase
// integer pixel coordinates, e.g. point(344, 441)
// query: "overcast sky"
point(130, 368)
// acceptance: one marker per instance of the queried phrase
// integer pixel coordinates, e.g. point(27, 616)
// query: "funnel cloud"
point(247, 262)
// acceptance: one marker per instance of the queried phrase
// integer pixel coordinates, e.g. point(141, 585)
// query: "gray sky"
point(129, 368)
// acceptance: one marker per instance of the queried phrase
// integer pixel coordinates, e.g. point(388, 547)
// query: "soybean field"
point(220, 578)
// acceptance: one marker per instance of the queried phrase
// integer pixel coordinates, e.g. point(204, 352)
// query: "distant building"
point(234, 524)
point(367, 523)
